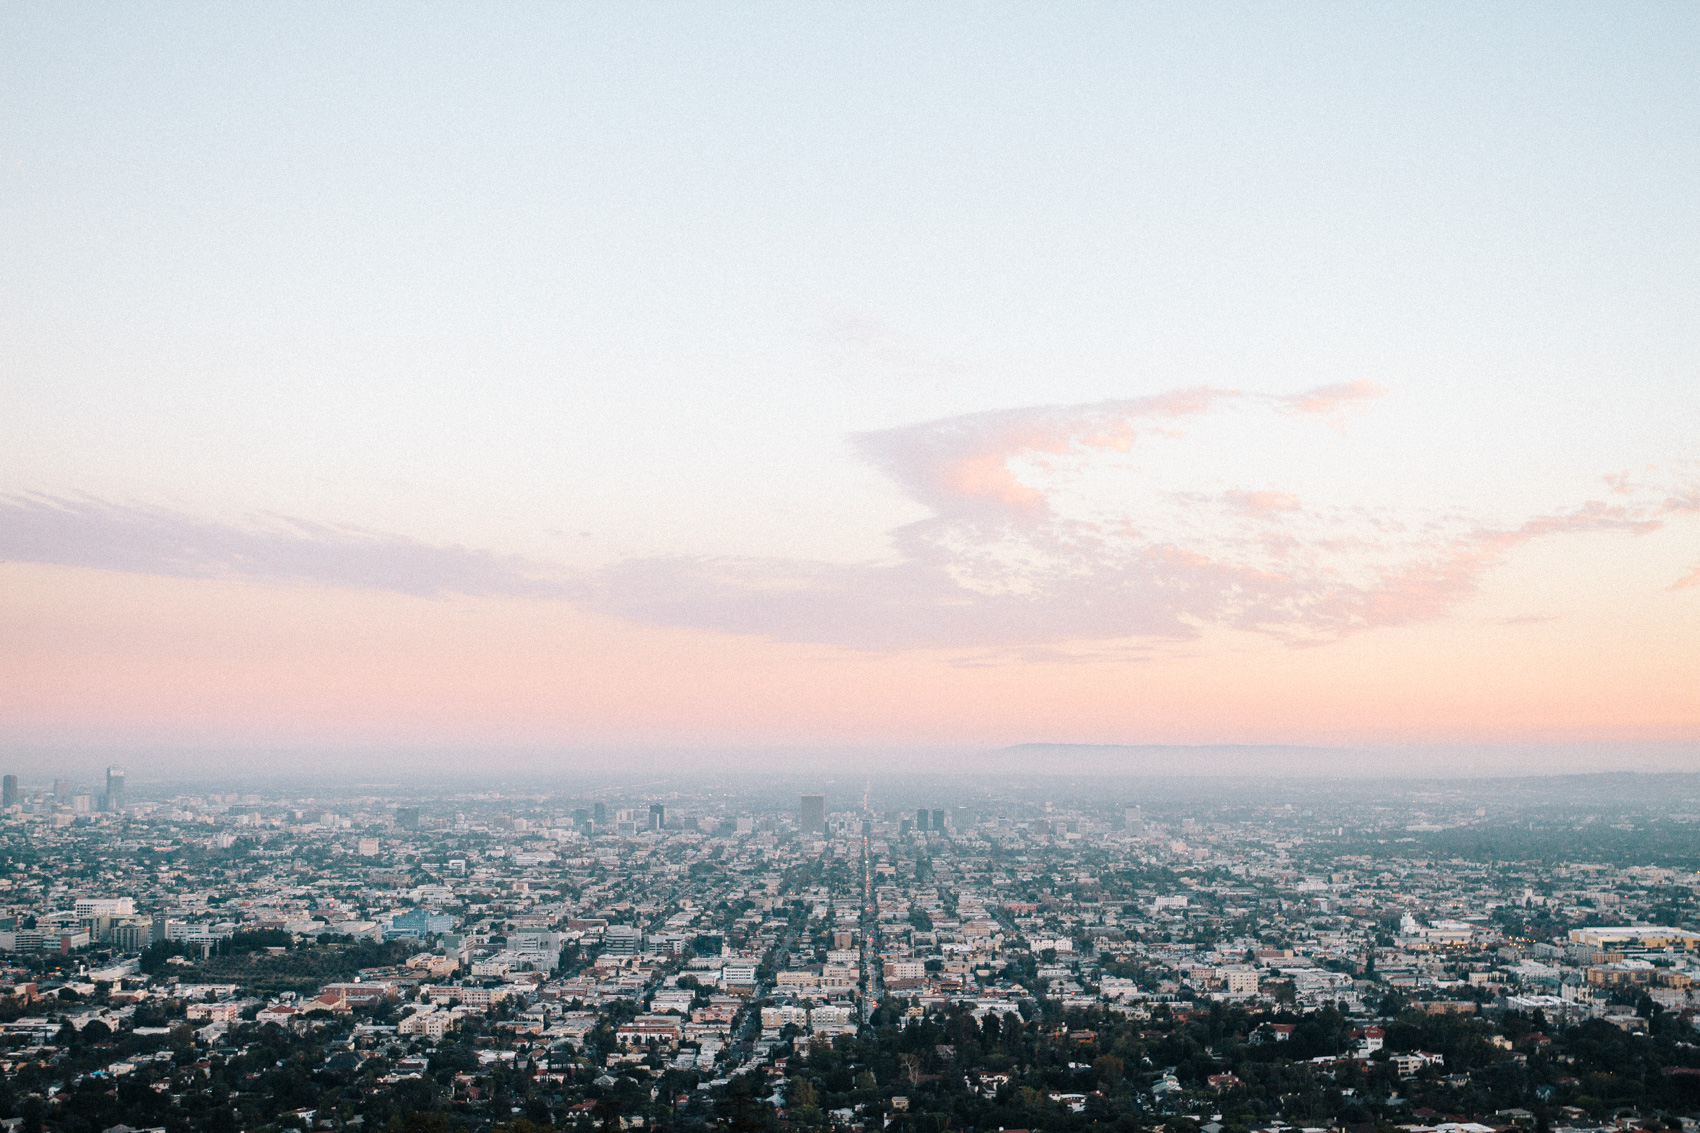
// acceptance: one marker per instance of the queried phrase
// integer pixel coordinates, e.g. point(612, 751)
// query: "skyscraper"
point(114, 788)
point(62, 790)
point(599, 814)
point(923, 819)
point(814, 814)
point(938, 820)
point(9, 791)
point(657, 816)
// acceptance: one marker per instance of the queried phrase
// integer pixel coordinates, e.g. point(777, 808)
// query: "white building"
point(88, 908)
point(1239, 981)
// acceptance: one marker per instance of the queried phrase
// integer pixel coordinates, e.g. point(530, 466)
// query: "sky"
point(556, 381)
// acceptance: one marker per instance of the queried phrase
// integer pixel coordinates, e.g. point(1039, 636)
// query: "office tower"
point(960, 819)
point(9, 791)
point(407, 817)
point(1133, 820)
point(923, 819)
point(114, 788)
point(581, 817)
point(62, 790)
point(657, 816)
point(938, 820)
point(814, 814)
point(600, 813)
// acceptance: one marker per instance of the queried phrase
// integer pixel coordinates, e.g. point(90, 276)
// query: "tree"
point(1108, 1069)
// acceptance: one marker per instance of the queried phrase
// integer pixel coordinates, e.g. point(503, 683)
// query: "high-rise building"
point(62, 790)
point(657, 816)
point(407, 817)
point(1133, 819)
point(938, 820)
point(599, 813)
point(814, 814)
point(961, 820)
point(9, 791)
point(923, 819)
point(581, 817)
point(114, 788)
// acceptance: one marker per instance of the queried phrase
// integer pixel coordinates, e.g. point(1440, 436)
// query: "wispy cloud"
point(147, 540)
point(1001, 565)
point(1009, 564)
point(1333, 401)
point(961, 463)
point(1260, 504)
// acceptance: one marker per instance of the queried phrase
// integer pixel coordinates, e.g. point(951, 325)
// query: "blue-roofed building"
point(416, 923)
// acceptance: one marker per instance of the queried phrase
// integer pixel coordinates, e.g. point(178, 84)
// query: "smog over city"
point(849, 568)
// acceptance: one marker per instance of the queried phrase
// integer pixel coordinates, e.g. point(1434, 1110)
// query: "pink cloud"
point(965, 461)
point(968, 460)
point(1260, 504)
point(147, 540)
point(1687, 581)
point(999, 565)
point(1332, 400)
point(1687, 503)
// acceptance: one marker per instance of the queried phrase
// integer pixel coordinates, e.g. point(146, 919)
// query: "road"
point(873, 971)
point(738, 1050)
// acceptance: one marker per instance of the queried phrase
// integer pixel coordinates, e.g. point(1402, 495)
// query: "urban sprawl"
point(994, 955)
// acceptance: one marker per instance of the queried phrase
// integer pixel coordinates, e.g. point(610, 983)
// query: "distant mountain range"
point(1178, 759)
point(1266, 760)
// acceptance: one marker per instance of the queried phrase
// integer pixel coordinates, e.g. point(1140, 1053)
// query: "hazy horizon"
point(512, 769)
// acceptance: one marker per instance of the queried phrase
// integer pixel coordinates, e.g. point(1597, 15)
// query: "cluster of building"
point(716, 934)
